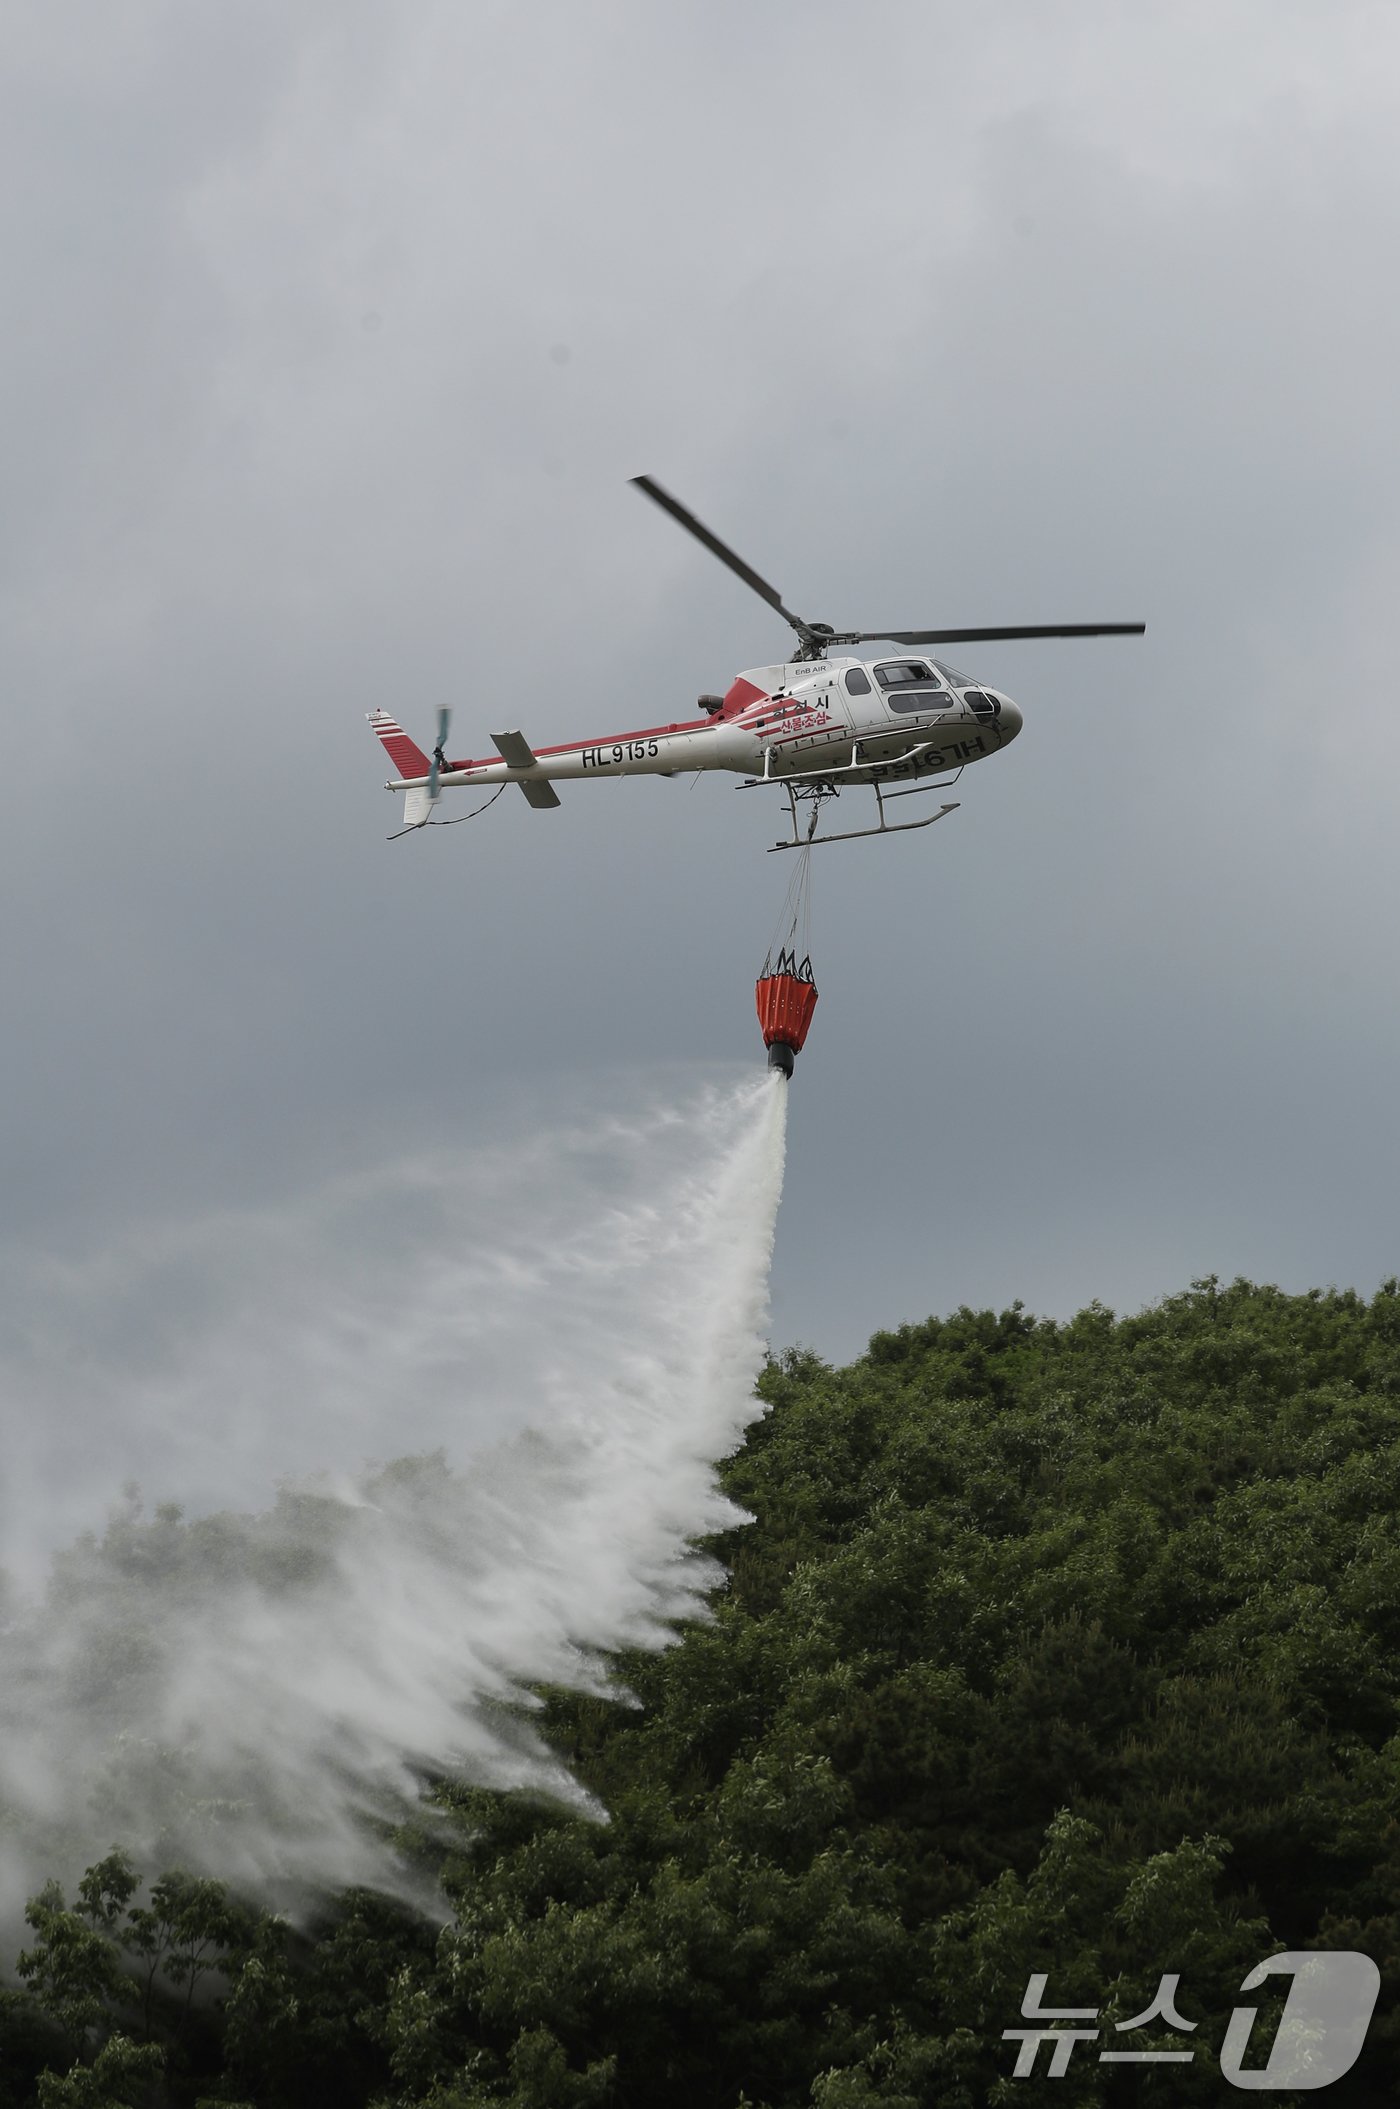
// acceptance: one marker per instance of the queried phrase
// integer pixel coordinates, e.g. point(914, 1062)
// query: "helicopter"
point(813, 725)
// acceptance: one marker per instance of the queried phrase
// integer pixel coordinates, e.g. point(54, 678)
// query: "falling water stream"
point(548, 1343)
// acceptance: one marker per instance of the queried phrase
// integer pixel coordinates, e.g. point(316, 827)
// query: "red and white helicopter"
point(813, 725)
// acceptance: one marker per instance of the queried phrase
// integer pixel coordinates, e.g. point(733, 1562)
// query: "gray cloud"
point(1066, 313)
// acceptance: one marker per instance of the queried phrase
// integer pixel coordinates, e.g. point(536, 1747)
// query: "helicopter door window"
point(857, 682)
point(902, 673)
point(930, 697)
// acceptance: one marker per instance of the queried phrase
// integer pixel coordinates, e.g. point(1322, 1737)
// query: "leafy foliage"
point(1062, 1648)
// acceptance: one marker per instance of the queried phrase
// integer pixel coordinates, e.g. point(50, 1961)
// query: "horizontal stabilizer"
point(513, 747)
point(515, 750)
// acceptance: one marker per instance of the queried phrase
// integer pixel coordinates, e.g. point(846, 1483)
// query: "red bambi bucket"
point(786, 1001)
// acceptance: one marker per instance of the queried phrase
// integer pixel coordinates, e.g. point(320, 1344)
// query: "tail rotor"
point(439, 762)
point(421, 777)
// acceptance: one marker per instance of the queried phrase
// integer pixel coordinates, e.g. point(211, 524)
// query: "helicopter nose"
point(1009, 719)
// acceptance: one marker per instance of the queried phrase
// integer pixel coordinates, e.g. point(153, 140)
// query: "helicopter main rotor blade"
point(1060, 629)
point(816, 637)
point(726, 555)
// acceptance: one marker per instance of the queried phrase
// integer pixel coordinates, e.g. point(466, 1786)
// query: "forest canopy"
point(1062, 1648)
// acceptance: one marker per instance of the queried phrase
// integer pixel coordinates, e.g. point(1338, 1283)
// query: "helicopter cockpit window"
point(902, 673)
point(951, 675)
point(857, 683)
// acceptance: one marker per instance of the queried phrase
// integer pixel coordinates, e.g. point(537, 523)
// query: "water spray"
point(259, 1695)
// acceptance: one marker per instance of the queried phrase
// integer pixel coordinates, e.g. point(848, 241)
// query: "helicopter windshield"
point(951, 675)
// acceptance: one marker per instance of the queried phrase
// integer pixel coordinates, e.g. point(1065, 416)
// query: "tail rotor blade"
point(439, 762)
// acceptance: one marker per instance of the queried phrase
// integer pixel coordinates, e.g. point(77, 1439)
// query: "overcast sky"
point(332, 334)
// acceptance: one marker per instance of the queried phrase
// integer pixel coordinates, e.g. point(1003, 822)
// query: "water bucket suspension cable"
point(786, 992)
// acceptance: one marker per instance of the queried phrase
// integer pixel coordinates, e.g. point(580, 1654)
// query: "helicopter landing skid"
point(816, 795)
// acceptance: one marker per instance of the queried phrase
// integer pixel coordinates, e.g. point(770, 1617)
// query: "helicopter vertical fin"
point(406, 755)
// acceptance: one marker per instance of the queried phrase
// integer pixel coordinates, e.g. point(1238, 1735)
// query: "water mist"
point(573, 1324)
